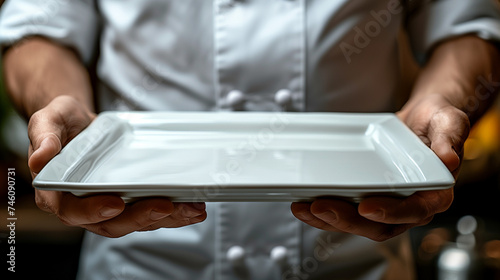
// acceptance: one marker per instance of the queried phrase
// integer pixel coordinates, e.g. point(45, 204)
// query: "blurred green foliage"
point(5, 111)
point(5, 107)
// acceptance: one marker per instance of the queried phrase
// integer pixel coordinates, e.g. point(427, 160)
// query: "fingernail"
point(44, 142)
point(199, 206)
point(328, 216)
point(377, 215)
point(188, 211)
point(155, 215)
point(109, 212)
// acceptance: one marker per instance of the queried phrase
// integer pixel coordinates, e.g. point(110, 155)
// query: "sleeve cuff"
point(441, 20)
point(70, 23)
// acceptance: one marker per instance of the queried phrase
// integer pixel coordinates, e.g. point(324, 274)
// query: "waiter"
point(252, 55)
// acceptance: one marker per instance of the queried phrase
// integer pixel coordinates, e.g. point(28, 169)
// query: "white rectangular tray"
point(243, 156)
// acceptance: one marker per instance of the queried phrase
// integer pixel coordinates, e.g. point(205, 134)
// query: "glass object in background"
point(43, 243)
point(458, 261)
point(482, 148)
point(443, 251)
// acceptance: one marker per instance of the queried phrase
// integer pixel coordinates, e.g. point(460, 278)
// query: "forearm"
point(465, 71)
point(37, 70)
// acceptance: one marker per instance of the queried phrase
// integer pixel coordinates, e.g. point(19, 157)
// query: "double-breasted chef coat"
point(250, 55)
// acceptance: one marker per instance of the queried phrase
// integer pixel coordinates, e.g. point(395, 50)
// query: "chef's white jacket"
point(202, 55)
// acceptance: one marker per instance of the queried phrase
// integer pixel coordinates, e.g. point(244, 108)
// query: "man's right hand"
point(49, 130)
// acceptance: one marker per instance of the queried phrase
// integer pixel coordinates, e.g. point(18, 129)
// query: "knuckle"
point(462, 123)
point(65, 221)
point(390, 232)
point(447, 197)
point(462, 117)
point(187, 221)
point(197, 219)
point(346, 226)
point(149, 228)
point(380, 238)
point(35, 118)
point(104, 230)
point(42, 204)
point(64, 218)
point(201, 218)
point(425, 210)
point(140, 222)
point(383, 235)
point(33, 122)
point(426, 221)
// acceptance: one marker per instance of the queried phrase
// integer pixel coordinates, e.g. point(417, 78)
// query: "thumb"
point(43, 150)
point(448, 133)
point(445, 150)
point(50, 128)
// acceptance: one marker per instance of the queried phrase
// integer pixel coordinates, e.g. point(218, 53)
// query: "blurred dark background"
point(44, 244)
point(477, 194)
point(45, 247)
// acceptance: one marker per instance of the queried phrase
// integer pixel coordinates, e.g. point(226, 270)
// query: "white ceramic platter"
point(207, 156)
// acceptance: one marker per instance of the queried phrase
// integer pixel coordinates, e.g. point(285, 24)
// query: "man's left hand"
point(442, 127)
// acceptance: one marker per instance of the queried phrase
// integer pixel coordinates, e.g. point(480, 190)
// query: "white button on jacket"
point(278, 255)
point(235, 100)
point(283, 98)
point(236, 255)
point(187, 55)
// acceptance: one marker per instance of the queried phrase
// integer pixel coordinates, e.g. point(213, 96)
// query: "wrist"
point(38, 70)
point(465, 72)
point(427, 103)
